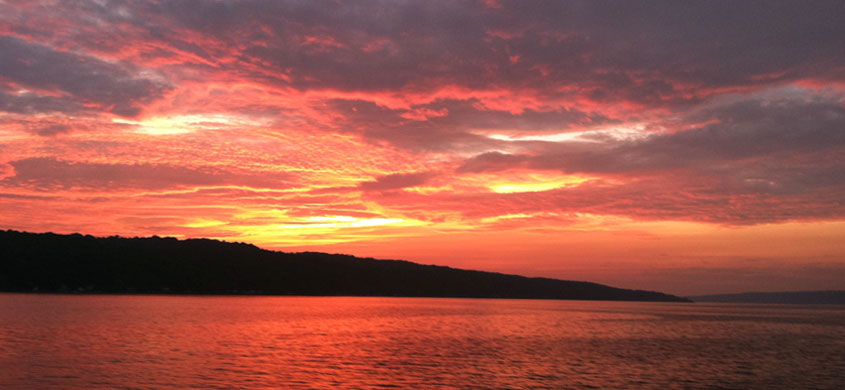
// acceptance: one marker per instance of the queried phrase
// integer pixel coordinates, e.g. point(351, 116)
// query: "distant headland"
point(831, 297)
point(75, 263)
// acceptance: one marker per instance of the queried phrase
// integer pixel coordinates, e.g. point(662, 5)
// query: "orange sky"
point(688, 148)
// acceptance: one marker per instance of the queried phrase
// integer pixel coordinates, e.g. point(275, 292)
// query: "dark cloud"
point(707, 43)
point(84, 79)
point(397, 181)
point(449, 124)
point(767, 159)
point(30, 103)
point(639, 51)
point(382, 124)
point(471, 114)
point(51, 130)
point(493, 162)
point(749, 132)
point(667, 197)
point(654, 53)
point(44, 174)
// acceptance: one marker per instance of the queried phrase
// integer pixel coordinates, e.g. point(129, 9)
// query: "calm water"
point(167, 342)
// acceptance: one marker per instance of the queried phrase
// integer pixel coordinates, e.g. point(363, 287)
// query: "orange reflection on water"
point(165, 342)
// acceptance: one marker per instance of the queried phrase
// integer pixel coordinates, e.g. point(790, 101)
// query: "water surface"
point(179, 342)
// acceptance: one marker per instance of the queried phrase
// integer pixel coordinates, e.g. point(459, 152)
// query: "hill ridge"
point(49, 262)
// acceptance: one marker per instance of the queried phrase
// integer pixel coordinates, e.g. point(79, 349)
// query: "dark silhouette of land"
point(792, 297)
point(76, 263)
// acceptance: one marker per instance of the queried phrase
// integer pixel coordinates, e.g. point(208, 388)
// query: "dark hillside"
point(76, 263)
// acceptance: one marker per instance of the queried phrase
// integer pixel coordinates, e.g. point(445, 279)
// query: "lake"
point(190, 342)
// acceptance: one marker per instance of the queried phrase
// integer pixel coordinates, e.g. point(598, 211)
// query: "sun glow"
point(534, 182)
point(183, 124)
point(341, 221)
point(321, 230)
point(204, 223)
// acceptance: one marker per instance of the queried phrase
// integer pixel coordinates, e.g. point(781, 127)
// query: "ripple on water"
point(167, 342)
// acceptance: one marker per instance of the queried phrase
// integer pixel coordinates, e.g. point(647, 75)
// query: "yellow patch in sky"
point(204, 223)
point(535, 182)
point(342, 221)
point(182, 124)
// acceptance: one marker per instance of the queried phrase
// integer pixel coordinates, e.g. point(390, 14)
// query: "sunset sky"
point(688, 147)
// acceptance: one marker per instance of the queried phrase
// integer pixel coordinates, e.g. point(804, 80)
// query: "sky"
point(689, 147)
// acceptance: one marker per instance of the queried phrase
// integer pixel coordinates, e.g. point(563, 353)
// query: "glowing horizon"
point(644, 147)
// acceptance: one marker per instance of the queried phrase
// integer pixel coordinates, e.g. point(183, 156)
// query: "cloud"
point(30, 103)
point(711, 85)
point(758, 133)
point(397, 181)
point(448, 124)
point(772, 157)
point(660, 53)
point(672, 198)
point(492, 162)
point(455, 68)
point(54, 129)
point(471, 114)
point(79, 79)
point(642, 52)
point(45, 174)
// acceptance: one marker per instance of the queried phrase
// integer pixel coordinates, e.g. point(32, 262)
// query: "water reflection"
point(165, 342)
